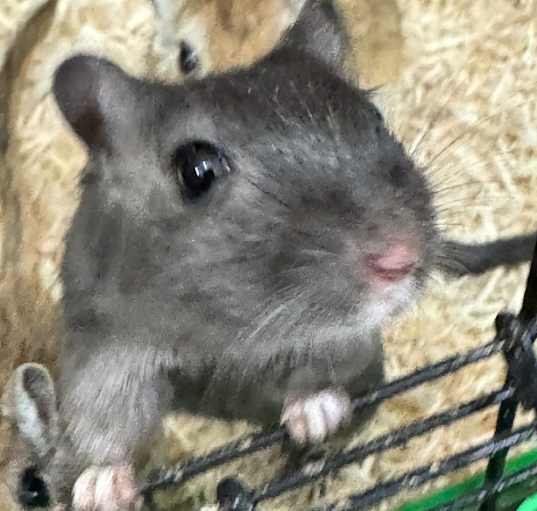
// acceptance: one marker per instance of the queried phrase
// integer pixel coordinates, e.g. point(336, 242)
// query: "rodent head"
point(270, 203)
point(28, 405)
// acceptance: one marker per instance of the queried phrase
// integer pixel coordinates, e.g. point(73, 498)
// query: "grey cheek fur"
point(235, 298)
point(226, 305)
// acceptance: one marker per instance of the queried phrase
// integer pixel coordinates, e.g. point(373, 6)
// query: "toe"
point(317, 427)
point(336, 409)
point(106, 489)
point(124, 487)
point(312, 419)
point(295, 421)
point(104, 496)
point(84, 490)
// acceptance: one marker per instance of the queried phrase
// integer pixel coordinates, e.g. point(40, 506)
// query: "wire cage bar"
point(514, 338)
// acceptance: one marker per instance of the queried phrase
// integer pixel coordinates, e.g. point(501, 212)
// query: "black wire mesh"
point(514, 338)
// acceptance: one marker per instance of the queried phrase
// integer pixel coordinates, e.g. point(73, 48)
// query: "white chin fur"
point(389, 300)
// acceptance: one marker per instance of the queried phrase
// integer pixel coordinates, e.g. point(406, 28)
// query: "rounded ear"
point(96, 98)
point(30, 402)
point(319, 31)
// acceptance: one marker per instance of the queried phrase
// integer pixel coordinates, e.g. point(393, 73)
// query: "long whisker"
point(441, 225)
point(428, 127)
point(470, 130)
point(450, 188)
point(268, 194)
point(453, 168)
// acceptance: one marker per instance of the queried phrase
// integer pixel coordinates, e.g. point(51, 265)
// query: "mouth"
point(391, 276)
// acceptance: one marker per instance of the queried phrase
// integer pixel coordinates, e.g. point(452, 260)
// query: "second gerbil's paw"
point(108, 488)
point(313, 418)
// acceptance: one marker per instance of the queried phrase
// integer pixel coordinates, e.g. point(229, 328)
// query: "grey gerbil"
point(239, 244)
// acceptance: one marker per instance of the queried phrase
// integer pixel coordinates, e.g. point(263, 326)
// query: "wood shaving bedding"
point(471, 67)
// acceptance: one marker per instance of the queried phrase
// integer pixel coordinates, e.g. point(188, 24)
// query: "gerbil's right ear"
point(319, 31)
point(96, 97)
point(30, 402)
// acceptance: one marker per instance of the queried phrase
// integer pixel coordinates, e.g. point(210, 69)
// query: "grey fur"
point(319, 32)
point(226, 305)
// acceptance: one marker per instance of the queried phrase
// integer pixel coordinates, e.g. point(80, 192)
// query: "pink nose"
point(395, 263)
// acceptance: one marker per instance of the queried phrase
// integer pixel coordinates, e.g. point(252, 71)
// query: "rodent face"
point(316, 227)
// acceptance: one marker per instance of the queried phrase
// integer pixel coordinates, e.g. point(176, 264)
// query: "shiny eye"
point(198, 166)
point(188, 60)
point(33, 491)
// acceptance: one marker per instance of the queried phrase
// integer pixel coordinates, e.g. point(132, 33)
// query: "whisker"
point(441, 225)
point(453, 167)
point(315, 253)
point(437, 191)
point(460, 201)
point(311, 239)
point(267, 193)
point(470, 130)
point(475, 202)
point(428, 127)
point(452, 85)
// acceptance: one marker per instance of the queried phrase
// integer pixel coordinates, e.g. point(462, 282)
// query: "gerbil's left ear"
point(96, 97)
point(318, 30)
point(29, 400)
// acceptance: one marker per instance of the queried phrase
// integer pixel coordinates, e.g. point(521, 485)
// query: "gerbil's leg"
point(108, 488)
point(112, 401)
point(316, 407)
point(311, 419)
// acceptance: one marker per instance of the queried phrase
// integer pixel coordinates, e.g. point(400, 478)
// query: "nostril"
point(397, 261)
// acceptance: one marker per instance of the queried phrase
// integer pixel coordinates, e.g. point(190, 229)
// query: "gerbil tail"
point(27, 33)
point(458, 259)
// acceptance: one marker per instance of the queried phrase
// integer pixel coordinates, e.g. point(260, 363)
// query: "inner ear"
point(95, 97)
point(33, 406)
point(319, 31)
point(37, 384)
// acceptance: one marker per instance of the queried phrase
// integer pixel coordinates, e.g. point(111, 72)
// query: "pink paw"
point(108, 488)
point(313, 418)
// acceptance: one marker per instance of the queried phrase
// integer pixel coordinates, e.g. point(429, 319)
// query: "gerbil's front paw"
point(312, 418)
point(108, 488)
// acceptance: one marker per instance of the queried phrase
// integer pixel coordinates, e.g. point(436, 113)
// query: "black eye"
point(33, 491)
point(198, 165)
point(188, 60)
point(398, 175)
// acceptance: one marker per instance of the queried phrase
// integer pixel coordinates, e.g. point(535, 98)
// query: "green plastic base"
point(522, 497)
point(529, 504)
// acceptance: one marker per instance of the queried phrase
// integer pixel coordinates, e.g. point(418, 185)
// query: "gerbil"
point(195, 38)
point(239, 244)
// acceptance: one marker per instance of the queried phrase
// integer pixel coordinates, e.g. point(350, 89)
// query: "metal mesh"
point(514, 338)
